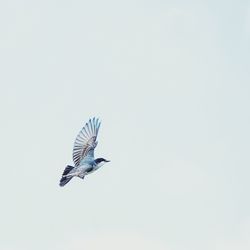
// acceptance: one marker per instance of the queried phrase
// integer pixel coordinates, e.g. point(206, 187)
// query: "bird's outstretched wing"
point(85, 142)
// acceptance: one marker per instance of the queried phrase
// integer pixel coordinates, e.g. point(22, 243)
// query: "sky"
point(170, 82)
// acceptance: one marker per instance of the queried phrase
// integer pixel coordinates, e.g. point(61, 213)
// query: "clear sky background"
point(170, 81)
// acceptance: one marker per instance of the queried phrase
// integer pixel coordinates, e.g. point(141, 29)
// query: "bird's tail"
point(65, 179)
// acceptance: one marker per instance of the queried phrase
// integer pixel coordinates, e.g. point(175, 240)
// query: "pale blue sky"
point(170, 81)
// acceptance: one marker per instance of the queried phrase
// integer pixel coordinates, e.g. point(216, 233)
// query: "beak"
point(107, 161)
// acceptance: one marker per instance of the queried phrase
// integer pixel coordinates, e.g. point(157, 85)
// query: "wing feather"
point(85, 141)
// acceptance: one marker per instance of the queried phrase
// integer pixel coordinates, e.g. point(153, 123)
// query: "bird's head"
point(100, 161)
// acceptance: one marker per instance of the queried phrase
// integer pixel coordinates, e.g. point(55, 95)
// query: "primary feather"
point(85, 141)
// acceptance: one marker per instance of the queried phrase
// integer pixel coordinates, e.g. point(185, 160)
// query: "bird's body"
point(83, 153)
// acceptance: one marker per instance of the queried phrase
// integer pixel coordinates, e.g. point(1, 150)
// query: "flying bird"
point(83, 153)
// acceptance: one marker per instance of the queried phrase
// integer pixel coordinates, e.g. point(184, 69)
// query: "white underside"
point(81, 171)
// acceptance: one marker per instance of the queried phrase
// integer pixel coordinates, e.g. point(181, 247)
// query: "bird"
point(83, 153)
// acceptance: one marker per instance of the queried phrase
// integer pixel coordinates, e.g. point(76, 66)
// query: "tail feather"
point(67, 169)
point(65, 179)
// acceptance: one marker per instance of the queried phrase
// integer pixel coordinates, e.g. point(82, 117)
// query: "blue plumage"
point(83, 153)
